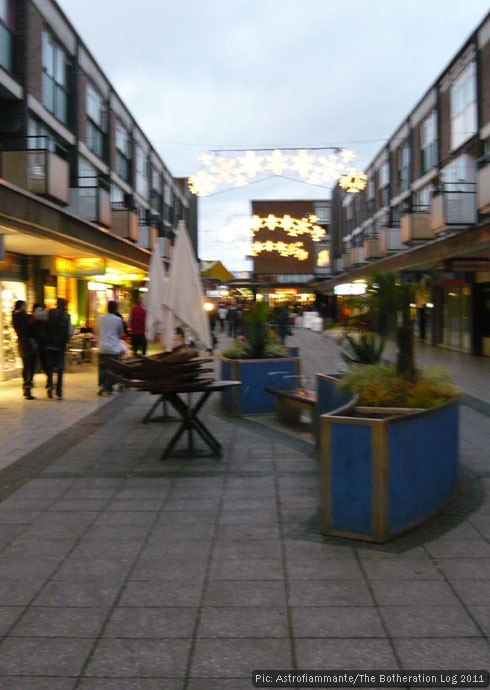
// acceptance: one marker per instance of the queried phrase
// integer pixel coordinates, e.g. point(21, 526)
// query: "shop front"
point(88, 284)
point(13, 286)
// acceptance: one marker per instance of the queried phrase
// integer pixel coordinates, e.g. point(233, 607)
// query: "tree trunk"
point(405, 364)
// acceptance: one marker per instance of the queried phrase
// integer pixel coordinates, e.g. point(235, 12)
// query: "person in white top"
point(109, 334)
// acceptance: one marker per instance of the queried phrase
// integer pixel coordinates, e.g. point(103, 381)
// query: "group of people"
point(228, 315)
point(42, 336)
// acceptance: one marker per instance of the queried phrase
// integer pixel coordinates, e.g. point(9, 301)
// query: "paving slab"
point(121, 571)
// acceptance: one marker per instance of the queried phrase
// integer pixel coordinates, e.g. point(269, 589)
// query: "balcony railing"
point(91, 200)
point(38, 171)
point(454, 206)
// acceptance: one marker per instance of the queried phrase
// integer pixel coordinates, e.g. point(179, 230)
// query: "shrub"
point(258, 342)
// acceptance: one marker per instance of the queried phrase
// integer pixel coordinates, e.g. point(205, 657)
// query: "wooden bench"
point(291, 403)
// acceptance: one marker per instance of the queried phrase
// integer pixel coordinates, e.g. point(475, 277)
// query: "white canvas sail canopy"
point(156, 303)
point(185, 297)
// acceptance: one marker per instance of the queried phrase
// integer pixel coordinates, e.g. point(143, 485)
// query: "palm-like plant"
point(365, 348)
point(391, 300)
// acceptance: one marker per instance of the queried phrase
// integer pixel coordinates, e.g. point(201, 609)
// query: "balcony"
point(125, 223)
point(389, 240)
point(148, 236)
point(483, 188)
point(347, 259)
point(453, 208)
point(372, 248)
point(38, 171)
point(415, 226)
point(357, 255)
point(92, 203)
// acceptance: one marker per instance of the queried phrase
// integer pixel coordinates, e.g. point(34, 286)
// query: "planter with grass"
point(254, 360)
point(392, 461)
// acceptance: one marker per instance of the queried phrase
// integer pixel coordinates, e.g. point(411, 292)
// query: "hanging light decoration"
point(353, 182)
point(294, 249)
point(292, 226)
point(238, 168)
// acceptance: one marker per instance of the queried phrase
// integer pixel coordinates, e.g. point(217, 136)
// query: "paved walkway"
point(120, 572)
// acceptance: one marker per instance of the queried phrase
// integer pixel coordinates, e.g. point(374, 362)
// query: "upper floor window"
point(422, 198)
point(96, 121)
point(7, 26)
point(141, 171)
point(460, 174)
point(55, 78)
point(117, 195)
point(463, 106)
point(322, 212)
point(40, 137)
point(123, 152)
point(428, 142)
point(384, 183)
point(404, 159)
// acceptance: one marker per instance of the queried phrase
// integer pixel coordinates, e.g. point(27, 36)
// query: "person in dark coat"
point(38, 320)
point(27, 346)
point(58, 333)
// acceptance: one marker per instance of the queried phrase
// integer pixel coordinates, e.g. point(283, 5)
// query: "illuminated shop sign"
point(350, 289)
point(79, 267)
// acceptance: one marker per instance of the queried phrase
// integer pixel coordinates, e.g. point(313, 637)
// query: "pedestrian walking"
point(38, 320)
point(27, 347)
point(137, 325)
point(109, 334)
point(232, 319)
point(58, 333)
point(222, 314)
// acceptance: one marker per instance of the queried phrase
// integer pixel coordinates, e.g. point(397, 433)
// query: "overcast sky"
point(211, 74)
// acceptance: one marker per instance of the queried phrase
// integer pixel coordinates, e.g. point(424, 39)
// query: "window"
point(460, 174)
point(40, 137)
point(463, 106)
point(7, 27)
point(55, 70)
point(141, 171)
point(384, 183)
point(428, 142)
point(117, 195)
point(322, 213)
point(404, 166)
point(96, 121)
point(123, 152)
point(423, 197)
point(87, 173)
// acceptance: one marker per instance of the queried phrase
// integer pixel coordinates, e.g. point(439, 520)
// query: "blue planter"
point(381, 476)
point(250, 397)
